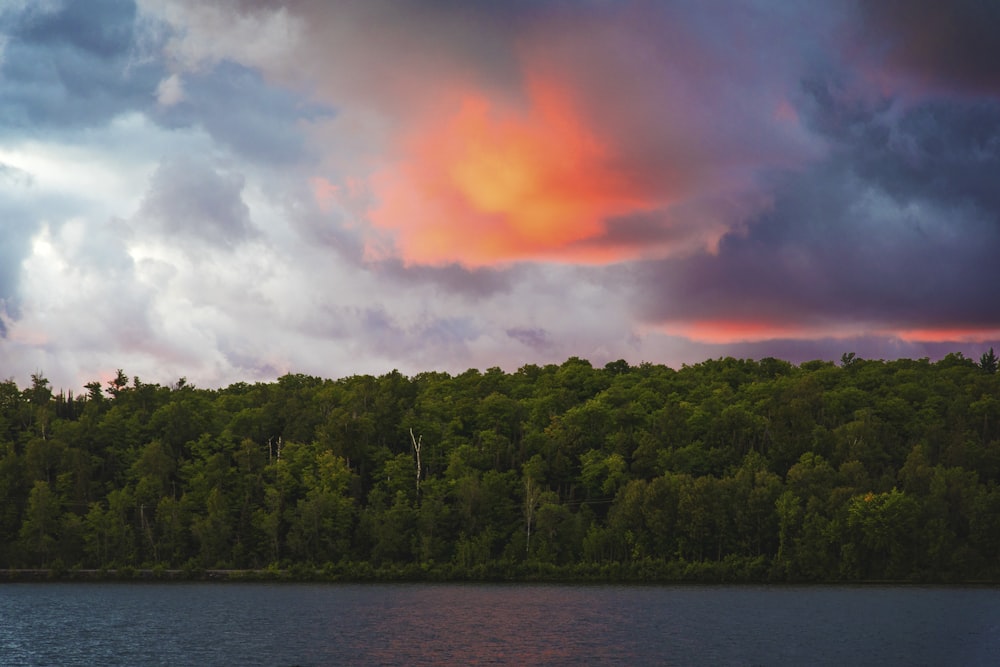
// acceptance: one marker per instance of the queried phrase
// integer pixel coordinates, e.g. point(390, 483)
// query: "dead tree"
point(532, 494)
point(416, 450)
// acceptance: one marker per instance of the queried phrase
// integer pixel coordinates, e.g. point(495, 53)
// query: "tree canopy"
point(731, 469)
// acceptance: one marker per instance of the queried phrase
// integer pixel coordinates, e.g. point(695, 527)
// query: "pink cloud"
point(599, 117)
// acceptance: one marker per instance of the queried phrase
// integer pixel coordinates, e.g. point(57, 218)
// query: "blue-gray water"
point(406, 624)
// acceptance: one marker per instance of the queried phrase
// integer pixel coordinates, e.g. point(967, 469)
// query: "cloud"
point(101, 27)
point(894, 235)
point(256, 34)
point(492, 135)
point(170, 91)
point(52, 325)
point(945, 46)
point(241, 111)
point(493, 184)
point(532, 337)
point(190, 199)
point(609, 121)
point(70, 65)
point(452, 278)
point(237, 189)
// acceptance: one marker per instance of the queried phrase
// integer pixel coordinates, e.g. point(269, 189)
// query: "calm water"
point(405, 624)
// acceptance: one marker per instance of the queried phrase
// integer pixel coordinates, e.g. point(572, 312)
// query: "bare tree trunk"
point(416, 450)
point(148, 530)
point(531, 495)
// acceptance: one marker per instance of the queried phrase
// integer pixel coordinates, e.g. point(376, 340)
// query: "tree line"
point(730, 469)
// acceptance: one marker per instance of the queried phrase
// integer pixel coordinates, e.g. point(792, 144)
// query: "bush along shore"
point(363, 572)
point(730, 470)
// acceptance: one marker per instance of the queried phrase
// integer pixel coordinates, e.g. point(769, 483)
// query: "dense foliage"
point(728, 469)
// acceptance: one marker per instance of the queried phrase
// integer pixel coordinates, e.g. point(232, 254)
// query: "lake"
point(517, 624)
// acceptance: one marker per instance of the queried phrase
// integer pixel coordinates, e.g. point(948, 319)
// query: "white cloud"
point(103, 170)
point(210, 32)
point(170, 91)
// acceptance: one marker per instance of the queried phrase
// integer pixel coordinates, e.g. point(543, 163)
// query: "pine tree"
point(988, 362)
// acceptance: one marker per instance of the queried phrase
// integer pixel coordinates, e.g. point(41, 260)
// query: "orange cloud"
point(726, 331)
point(722, 331)
point(325, 192)
point(948, 335)
point(494, 182)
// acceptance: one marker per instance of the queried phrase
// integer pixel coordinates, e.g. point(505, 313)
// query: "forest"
point(726, 470)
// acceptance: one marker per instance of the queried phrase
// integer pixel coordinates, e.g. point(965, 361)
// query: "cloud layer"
point(238, 189)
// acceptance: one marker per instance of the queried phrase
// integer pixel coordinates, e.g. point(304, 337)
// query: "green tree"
point(39, 531)
point(884, 525)
point(558, 533)
point(212, 530)
point(115, 536)
point(321, 523)
point(988, 362)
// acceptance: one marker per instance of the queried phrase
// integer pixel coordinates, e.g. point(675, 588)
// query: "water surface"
point(406, 624)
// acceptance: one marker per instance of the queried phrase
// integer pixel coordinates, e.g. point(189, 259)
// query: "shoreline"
point(417, 575)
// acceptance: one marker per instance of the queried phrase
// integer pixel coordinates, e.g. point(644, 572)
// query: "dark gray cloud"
point(81, 64)
point(657, 232)
point(899, 228)
point(937, 151)
point(99, 27)
point(939, 148)
point(451, 278)
point(238, 108)
point(189, 199)
point(72, 65)
point(949, 45)
point(534, 337)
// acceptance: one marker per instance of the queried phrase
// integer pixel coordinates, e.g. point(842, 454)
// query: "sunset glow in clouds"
point(491, 184)
point(233, 190)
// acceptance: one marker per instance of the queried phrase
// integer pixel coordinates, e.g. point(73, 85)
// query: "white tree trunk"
point(416, 450)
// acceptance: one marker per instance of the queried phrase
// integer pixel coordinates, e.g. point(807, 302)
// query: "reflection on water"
point(406, 624)
point(519, 625)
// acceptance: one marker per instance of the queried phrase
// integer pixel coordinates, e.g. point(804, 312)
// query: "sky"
point(235, 190)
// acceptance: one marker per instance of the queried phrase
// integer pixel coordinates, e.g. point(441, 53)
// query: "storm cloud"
point(233, 190)
point(896, 232)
